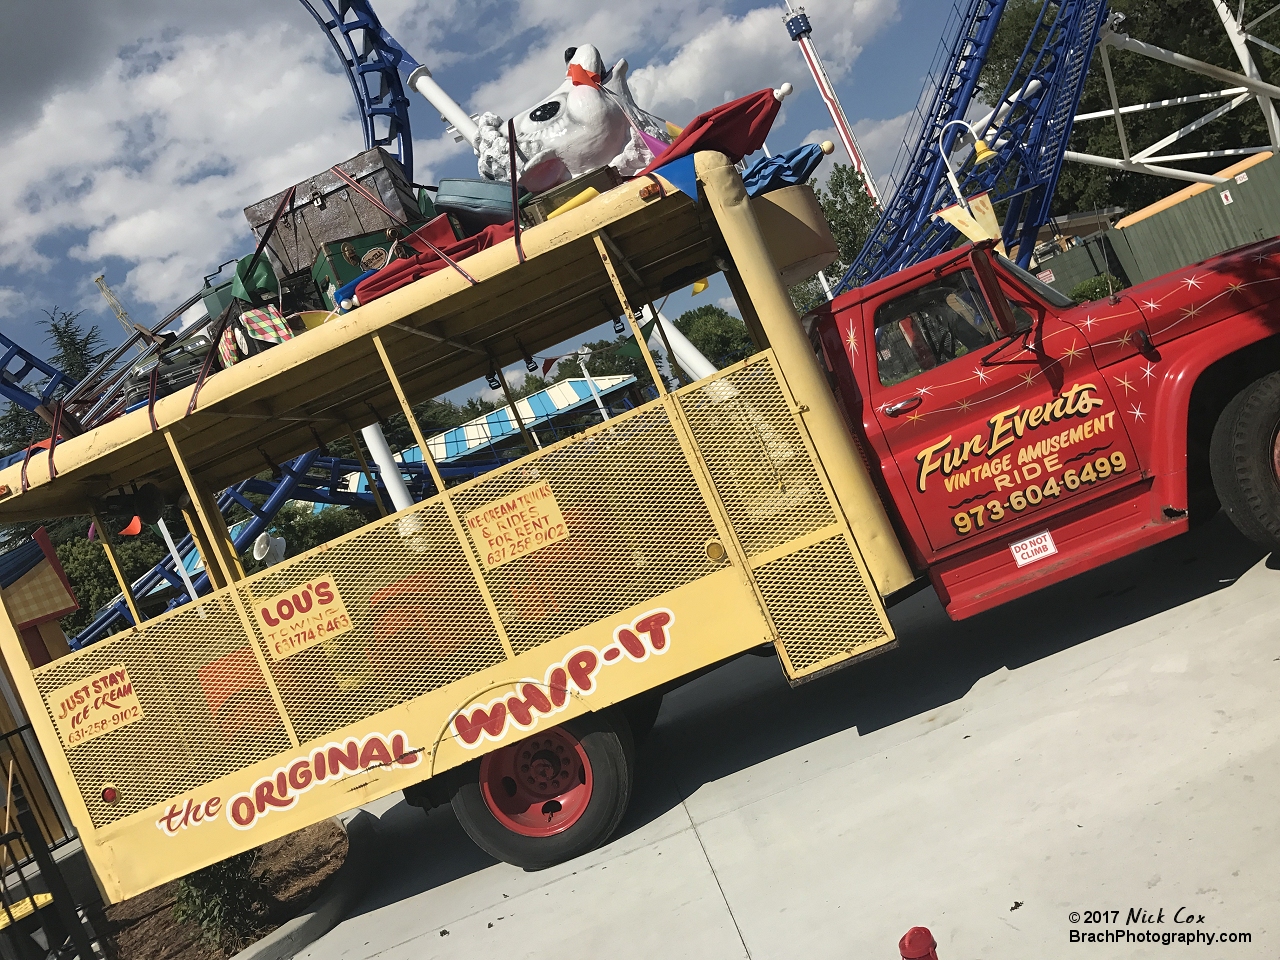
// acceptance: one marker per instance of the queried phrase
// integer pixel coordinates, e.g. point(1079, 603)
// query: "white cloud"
point(140, 159)
point(727, 55)
point(729, 304)
point(9, 299)
point(154, 161)
point(879, 140)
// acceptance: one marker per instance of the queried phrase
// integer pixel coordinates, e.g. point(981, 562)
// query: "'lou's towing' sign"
point(302, 617)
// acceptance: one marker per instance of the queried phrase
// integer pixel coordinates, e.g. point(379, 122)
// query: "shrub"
point(225, 900)
point(1095, 288)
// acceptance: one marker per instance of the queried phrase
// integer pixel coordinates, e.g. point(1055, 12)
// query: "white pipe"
point(387, 467)
point(686, 354)
point(177, 561)
point(1236, 34)
point(1137, 167)
point(591, 384)
point(995, 117)
point(1158, 104)
point(1122, 41)
point(461, 121)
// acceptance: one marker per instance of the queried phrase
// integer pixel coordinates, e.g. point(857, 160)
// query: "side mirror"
point(985, 270)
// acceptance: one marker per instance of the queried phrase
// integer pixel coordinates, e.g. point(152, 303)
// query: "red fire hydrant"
point(918, 944)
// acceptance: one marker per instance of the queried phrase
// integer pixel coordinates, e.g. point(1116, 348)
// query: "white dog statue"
point(590, 120)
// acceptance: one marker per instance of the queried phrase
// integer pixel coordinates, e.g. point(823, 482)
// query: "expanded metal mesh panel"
point(637, 527)
point(758, 461)
point(820, 605)
point(206, 709)
point(418, 621)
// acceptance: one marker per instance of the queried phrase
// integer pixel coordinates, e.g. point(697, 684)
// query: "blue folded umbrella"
point(782, 169)
point(348, 290)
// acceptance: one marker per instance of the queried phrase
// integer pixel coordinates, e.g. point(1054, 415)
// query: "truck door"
point(992, 434)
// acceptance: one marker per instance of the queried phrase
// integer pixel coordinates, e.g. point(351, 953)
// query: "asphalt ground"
point(1108, 744)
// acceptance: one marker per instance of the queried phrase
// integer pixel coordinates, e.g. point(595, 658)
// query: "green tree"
point(303, 527)
point(719, 336)
point(1190, 27)
point(90, 574)
point(605, 361)
point(852, 215)
point(73, 350)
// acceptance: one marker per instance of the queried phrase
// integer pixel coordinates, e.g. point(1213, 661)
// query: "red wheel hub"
point(538, 787)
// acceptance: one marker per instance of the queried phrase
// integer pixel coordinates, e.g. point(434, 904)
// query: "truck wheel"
point(1244, 458)
point(551, 797)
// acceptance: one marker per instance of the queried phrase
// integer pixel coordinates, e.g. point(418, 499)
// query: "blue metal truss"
point(1029, 138)
point(372, 60)
point(17, 365)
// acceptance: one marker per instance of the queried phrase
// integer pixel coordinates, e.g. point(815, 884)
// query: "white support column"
point(387, 467)
point(1135, 166)
point(1239, 43)
point(1115, 101)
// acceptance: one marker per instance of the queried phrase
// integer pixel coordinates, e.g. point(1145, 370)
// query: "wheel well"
point(1213, 390)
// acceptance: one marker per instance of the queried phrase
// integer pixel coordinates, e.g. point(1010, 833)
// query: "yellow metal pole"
point(816, 405)
point(215, 533)
point(515, 412)
point(749, 317)
point(364, 467)
point(115, 568)
point(452, 513)
point(196, 529)
point(611, 269)
point(33, 705)
point(408, 414)
point(676, 369)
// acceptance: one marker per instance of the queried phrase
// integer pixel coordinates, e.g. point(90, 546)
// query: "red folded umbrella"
point(735, 129)
point(396, 275)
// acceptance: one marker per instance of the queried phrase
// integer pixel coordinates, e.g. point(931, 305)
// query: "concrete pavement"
point(1111, 743)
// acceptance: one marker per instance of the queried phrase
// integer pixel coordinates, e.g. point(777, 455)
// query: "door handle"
point(902, 406)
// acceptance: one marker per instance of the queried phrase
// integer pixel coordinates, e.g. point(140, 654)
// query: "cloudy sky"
point(136, 131)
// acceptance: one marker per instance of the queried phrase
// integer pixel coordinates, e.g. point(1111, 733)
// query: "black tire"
point(1242, 461)
point(605, 737)
point(642, 713)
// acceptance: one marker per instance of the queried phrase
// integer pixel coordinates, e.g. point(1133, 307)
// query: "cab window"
point(930, 326)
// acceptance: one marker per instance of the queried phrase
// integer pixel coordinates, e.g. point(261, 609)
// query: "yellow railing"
point(627, 511)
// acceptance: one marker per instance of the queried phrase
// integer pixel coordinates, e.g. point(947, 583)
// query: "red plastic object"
point(735, 129)
point(540, 786)
point(133, 529)
point(396, 275)
point(918, 944)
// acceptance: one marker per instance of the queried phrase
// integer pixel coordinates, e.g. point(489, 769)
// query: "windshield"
point(1042, 289)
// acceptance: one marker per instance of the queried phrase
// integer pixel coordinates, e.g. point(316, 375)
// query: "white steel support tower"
point(1241, 88)
point(801, 31)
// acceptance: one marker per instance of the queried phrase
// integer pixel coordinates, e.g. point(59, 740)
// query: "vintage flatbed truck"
point(500, 645)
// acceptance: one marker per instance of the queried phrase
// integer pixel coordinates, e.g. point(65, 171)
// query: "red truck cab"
point(1019, 438)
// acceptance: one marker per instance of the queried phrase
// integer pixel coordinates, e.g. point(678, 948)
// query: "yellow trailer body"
point(710, 521)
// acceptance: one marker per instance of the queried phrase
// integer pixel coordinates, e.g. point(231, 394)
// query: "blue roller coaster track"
point(1028, 132)
point(373, 61)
